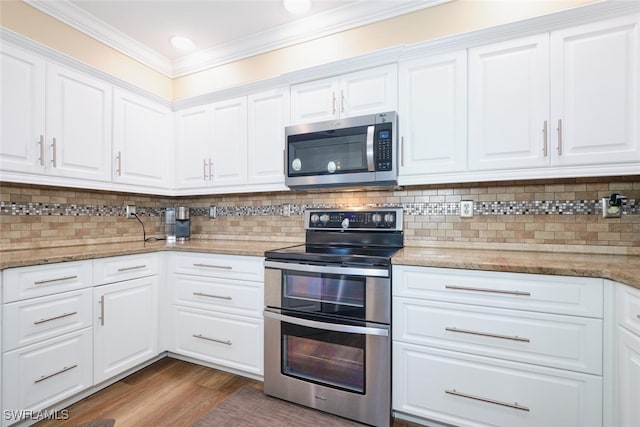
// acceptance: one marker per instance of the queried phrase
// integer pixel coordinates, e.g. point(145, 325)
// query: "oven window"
point(324, 293)
point(334, 359)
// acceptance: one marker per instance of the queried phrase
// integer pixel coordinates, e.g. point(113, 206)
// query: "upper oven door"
point(355, 150)
point(362, 293)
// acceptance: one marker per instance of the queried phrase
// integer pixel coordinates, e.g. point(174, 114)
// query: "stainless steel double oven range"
point(328, 314)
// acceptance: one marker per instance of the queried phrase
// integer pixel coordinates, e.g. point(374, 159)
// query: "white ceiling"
point(223, 30)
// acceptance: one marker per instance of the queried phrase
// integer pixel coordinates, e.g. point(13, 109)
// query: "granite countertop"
point(621, 268)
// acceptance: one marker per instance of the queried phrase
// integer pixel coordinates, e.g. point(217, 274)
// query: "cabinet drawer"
point(37, 376)
point(467, 390)
point(628, 303)
point(226, 340)
point(577, 296)
point(566, 342)
point(29, 282)
point(214, 265)
point(231, 296)
point(117, 269)
point(41, 318)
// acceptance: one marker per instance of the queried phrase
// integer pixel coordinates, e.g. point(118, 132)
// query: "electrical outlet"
point(130, 211)
point(466, 208)
point(213, 212)
point(609, 211)
point(286, 210)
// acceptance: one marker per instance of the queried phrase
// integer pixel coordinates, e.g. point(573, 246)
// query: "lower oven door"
point(341, 368)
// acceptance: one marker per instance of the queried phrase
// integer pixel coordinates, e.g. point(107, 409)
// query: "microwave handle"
point(382, 330)
point(371, 167)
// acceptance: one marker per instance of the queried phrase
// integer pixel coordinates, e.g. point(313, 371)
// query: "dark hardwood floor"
point(169, 392)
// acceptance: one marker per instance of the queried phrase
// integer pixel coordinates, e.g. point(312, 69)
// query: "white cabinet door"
point(433, 111)
point(192, 141)
point(229, 143)
point(125, 325)
point(509, 104)
point(628, 378)
point(369, 91)
point(22, 111)
point(78, 125)
point(595, 92)
point(141, 141)
point(314, 101)
point(268, 114)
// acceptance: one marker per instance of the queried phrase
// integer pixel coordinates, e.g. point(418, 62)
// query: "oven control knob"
point(388, 218)
point(314, 218)
point(345, 223)
point(376, 218)
point(324, 218)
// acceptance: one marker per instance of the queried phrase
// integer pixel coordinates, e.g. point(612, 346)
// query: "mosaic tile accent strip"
point(537, 207)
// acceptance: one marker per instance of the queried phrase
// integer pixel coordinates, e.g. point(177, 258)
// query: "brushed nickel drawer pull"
point(101, 302)
point(37, 322)
point(135, 267)
point(514, 405)
point(54, 157)
point(202, 337)
point(494, 291)
point(41, 143)
point(224, 267)
point(63, 370)
point(202, 294)
point(559, 137)
point(486, 334)
point(119, 158)
point(204, 169)
point(60, 279)
point(545, 132)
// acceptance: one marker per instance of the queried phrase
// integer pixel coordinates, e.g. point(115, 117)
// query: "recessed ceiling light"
point(297, 6)
point(182, 43)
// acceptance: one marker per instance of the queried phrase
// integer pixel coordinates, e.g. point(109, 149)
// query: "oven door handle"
point(349, 271)
point(365, 330)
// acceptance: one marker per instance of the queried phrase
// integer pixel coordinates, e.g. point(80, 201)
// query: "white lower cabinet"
point(126, 325)
point(628, 361)
point(216, 310)
point(39, 375)
point(476, 348)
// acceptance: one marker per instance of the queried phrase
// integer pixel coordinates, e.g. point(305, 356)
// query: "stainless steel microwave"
point(350, 152)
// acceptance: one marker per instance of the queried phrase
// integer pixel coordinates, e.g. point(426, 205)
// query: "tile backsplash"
point(555, 215)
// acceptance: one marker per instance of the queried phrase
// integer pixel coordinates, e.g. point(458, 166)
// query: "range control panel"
point(383, 219)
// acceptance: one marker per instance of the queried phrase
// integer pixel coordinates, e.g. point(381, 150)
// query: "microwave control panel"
point(383, 148)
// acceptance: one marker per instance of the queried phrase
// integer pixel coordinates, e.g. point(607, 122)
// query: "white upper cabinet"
point(369, 91)
point(192, 147)
point(229, 144)
point(141, 141)
point(78, 125)
point(22, 111)
point(595, 92)
point(565, 98)
point(433, 112)
point(268, 114)
point(509, 103)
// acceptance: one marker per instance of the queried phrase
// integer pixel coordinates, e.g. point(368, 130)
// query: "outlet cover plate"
point(130, 210)
point(610, 211)
point(466, 208)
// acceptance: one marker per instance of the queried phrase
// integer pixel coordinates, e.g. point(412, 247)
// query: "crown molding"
point(344, 18)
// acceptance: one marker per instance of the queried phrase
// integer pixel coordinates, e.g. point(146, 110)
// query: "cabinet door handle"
point(545, 134)
point(202, 294)
point(54, 157)
point(49, 319)
point(202, 337)
point(223, 267)
point(119, 158)
point(210, 170)
point(342, 101)
point(101, 302)
point(402, 151)
point(204, 169)
point(494, 291)
point(514, 405)
point(486, 334)
point(65, 369)
point(333, 102)
point(559, 137)
point(135, 267)
point(41, 143)
point(59, 279)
